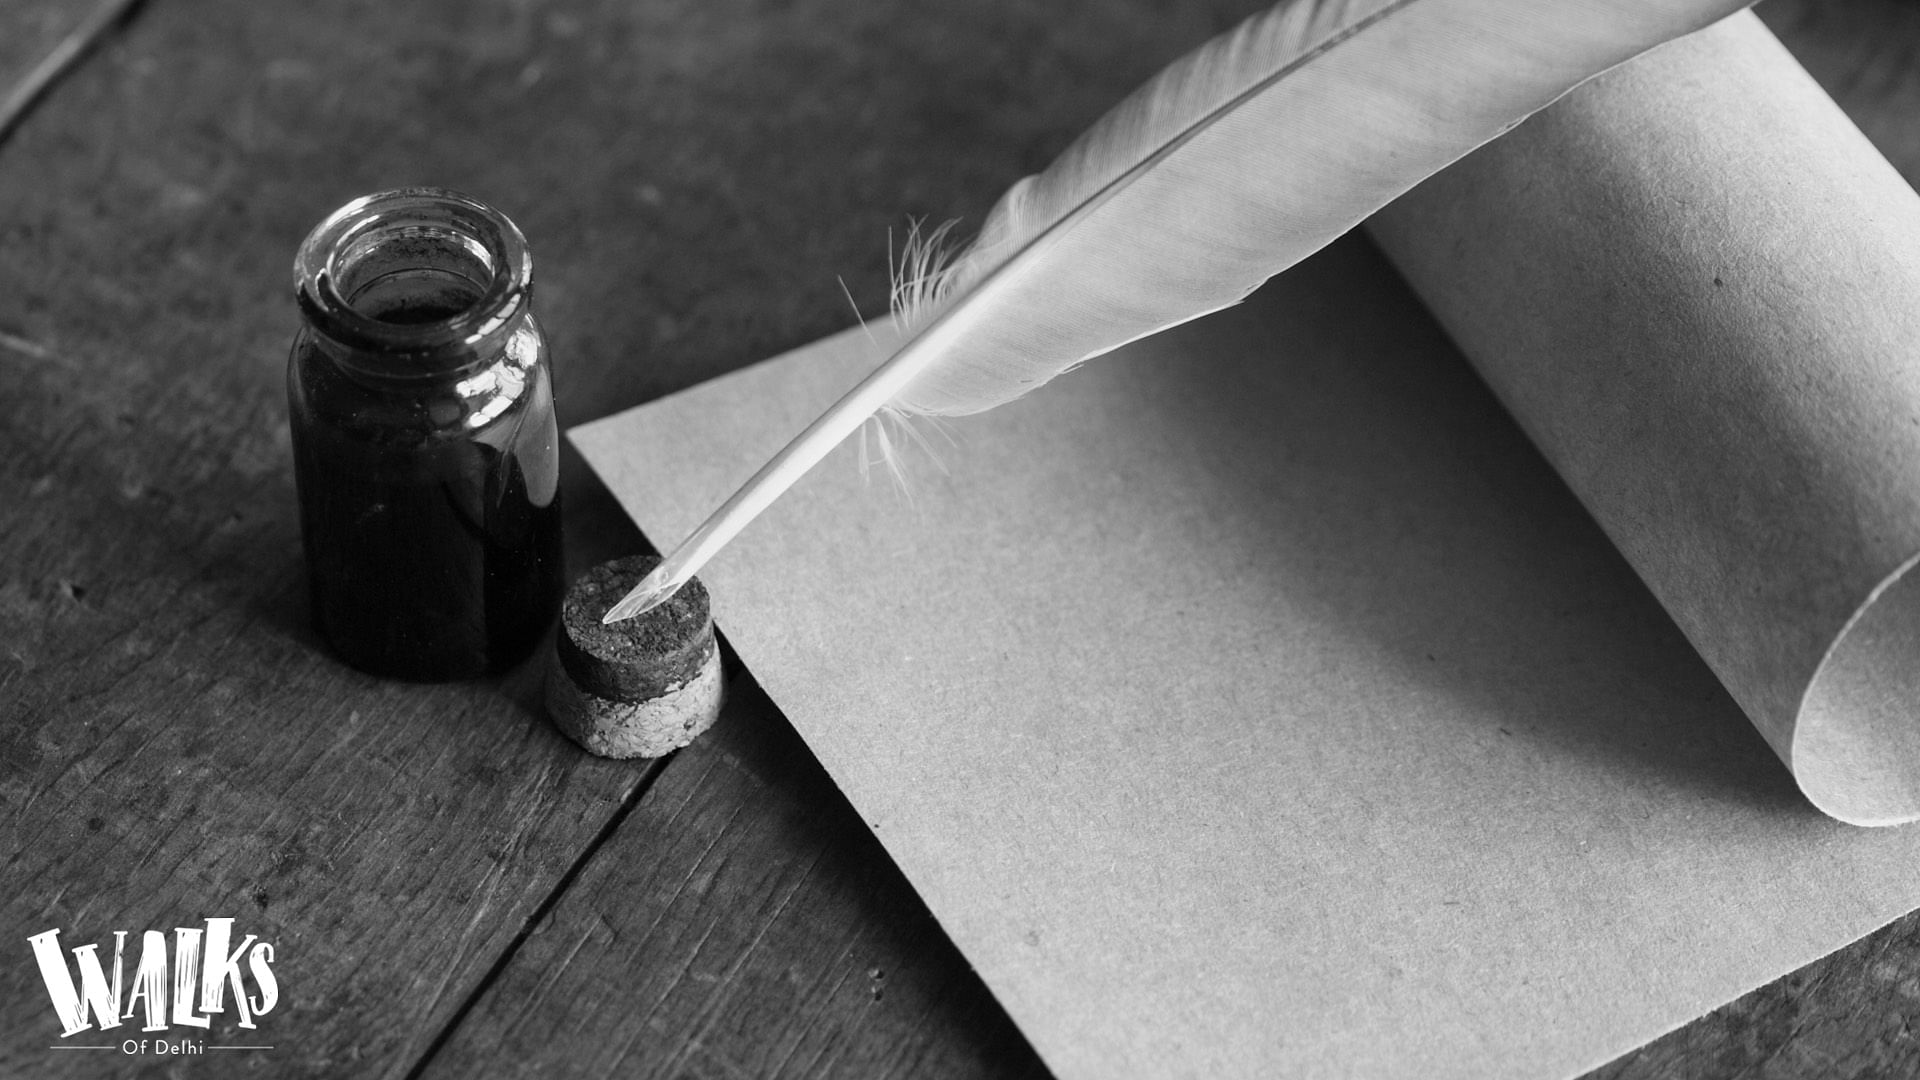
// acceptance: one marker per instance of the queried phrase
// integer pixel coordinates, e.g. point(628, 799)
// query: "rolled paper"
point(1696, 285)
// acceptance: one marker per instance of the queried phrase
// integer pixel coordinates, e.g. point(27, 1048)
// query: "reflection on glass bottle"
point(425, 444)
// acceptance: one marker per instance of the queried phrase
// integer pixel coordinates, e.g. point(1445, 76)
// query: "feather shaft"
point(1235, 162)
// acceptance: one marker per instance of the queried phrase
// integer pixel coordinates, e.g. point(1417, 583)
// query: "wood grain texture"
point(1854, 1015)
point(1848, 1009)
point(694, 176)
point(29, 29)
point(743, 922)
point(47, 43)
point(174, 744)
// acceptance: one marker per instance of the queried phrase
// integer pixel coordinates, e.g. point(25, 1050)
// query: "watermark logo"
point(182, 989)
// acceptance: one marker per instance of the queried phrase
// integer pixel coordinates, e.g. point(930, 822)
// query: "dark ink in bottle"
point(425, 443)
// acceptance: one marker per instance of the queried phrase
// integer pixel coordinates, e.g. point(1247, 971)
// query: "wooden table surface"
point(451, 888)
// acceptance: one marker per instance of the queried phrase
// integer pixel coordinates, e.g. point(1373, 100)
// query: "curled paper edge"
point(1855, 750)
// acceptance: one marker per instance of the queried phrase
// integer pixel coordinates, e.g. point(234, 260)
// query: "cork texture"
point(635, 659)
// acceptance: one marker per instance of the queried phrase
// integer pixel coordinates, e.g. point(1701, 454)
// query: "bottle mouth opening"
point(418, 276)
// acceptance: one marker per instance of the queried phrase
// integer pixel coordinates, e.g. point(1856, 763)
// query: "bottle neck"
point(412, 285)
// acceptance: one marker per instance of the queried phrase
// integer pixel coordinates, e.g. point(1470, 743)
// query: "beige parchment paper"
point(1259, 702)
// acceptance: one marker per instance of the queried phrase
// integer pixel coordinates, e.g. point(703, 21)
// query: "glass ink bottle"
point(425, 446)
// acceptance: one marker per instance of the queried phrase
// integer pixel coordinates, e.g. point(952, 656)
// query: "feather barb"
point(1232, 164)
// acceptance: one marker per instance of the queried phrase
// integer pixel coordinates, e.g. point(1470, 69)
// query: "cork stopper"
point(641, 687)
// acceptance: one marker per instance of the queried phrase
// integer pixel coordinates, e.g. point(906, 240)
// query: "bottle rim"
point(324, 261)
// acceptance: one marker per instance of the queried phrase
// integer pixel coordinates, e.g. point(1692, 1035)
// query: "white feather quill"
point(1234, 163)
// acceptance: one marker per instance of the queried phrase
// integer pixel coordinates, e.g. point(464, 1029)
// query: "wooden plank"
point(174, 744)
point(752, 969)
point(742, 922)
point(29, 30)
point(1854, 1015)
point(41, 43)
